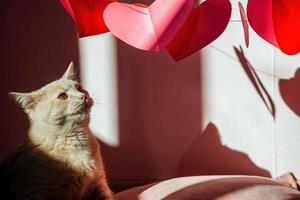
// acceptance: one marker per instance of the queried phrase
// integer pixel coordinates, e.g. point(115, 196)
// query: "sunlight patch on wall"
point(99, 76)
point(234, 103)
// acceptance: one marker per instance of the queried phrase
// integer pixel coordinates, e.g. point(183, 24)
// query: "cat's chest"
point(82, 161)
point(85, 166)
point(78, 154)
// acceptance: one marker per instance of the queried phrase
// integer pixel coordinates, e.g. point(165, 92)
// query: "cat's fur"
point(60, 158)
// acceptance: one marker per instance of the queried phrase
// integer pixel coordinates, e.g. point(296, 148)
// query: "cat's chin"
point(84, 113)
point(80, 116)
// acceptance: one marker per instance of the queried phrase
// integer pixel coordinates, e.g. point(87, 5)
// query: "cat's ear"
point(27, 101)
point(70, 73)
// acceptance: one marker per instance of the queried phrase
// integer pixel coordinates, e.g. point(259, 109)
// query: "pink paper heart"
point(147, 28)
point(204, 24)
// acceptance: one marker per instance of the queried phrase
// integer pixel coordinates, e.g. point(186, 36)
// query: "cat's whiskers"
point(97, 101)
point(99, 106)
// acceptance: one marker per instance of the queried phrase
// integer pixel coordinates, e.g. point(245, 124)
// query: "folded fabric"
point(212, 187)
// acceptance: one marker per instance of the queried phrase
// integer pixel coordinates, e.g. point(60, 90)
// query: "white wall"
point(234, 105)
point(99, 75)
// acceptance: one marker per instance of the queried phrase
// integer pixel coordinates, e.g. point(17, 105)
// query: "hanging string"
point(236, 60)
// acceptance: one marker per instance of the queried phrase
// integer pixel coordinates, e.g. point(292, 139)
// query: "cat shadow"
point(208, 156)
point(289, 90)
point(38, 41)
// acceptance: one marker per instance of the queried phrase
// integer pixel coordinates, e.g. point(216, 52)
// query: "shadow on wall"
point(207, 156)
point(289, 90)
point(255, 80)
point(159, 114)
point(38, 40)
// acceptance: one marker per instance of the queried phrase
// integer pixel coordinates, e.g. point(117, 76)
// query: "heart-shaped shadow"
point(204, 24)
point(88, 15)
point(289, 90)
point(277, 22)
point(148, 28)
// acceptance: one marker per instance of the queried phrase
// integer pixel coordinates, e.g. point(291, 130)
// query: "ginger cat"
point(60, 158)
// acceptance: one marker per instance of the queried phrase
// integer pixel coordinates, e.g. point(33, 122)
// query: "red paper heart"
point(88, 15)
point(286, 20)
point(260, 16)
point(277, 22)
point(244, 23)
point(148, 28)
point(204, 24)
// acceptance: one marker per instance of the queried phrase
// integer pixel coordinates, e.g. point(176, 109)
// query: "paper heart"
point(277, 22)
point(286, 22)
point(204, 24)
point(148, 28)
point(260, 17)
point(88, 15)
point(244, 23)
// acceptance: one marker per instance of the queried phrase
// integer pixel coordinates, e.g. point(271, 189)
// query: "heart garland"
point(165, 23)
point(183, 30)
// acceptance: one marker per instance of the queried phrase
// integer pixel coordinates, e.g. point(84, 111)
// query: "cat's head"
point(58, 103)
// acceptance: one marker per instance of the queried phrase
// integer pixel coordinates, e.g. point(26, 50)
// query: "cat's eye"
point(62, 96)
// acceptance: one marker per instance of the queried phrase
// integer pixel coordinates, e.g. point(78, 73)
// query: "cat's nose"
point(87, 100)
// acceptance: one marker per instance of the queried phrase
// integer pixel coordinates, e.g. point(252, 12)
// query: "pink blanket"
point(213, 187)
